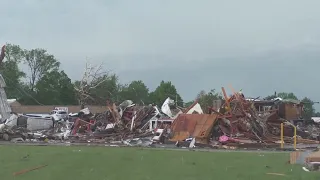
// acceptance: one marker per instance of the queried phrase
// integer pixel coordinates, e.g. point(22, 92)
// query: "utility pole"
point(176, 100)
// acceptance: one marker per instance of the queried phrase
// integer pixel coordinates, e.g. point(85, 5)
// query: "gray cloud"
point(260, 46)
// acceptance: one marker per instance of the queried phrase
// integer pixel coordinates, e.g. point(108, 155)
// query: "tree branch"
point(93, 76)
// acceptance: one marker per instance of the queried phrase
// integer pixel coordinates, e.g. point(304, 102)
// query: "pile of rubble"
point(233, 122)
point(120, 123)
point(241, 122)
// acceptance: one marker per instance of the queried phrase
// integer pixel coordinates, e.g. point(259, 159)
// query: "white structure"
point(316, 119)
point(5, 109)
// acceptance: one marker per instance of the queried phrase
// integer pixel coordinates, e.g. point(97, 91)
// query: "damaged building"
point(235, 121)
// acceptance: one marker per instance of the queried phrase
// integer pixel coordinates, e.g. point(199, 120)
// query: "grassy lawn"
point(100, 163)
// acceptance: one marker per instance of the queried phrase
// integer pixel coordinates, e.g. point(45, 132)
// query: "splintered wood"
point(294, 156)
point(28, 170)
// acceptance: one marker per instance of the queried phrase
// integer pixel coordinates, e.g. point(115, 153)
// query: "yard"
point(102, 163)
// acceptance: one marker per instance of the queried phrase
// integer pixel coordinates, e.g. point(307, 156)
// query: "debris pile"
point(242, 120)
point(122, 123)
point(233, 122)
point(310, 159)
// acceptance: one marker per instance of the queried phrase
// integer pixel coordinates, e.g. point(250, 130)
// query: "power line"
point(21, 89)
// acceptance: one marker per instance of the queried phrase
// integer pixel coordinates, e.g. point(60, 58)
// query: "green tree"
point(14, 53)
point(317, 114)
point(55, 88)
point(107, 89)
point(188, 104)
point(206, 99)
point(28, 97)
point(285, 95)
point(282, 95)
point(39, 63)
point(308, 110)
point(11, 72)
point(271, 96)
point(163, 91)
point(136, 91)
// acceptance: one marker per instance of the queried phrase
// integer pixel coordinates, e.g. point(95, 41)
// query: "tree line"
point(44, 83)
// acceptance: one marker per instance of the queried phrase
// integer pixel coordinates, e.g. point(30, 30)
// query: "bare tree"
point(93, 76)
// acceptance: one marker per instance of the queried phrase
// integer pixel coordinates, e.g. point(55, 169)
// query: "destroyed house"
point(286, 109)
point(265, 106)
point(291, 109)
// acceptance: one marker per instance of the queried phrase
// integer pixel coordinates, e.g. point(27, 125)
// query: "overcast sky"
point(257, 46)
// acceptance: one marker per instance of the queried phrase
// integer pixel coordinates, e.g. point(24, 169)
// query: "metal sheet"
point(4, 105)
point(39, 123)
point(198, 126)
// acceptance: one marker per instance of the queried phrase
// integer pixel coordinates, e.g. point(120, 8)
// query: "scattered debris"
point(276, 174)
point(28, 170)
point(305, 169)
point(233, 123)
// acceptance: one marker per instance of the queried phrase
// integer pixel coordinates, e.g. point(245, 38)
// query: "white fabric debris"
point(193, 142)
point(12, 121)
point(110, 126)
point(2, 126)
point(86, 111)
point(124, 105)
point(277, 99)
point(316, 119)
point(165, 108)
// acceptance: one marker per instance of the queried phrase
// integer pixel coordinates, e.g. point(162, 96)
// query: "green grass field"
point(101, 163)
